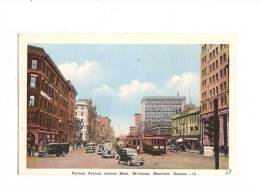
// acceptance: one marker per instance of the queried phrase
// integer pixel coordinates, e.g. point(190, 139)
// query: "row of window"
point(48, 90)
point(181, 130)
point(215, 78)
point(186, 120)
point(205, 47)
point(214, 53)
point(164, 102)
point(214, 65)
point(40, 65)
point(223, 101)
point(215, 91)
point(163, 109)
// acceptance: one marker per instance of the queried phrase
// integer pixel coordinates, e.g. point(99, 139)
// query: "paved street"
point(80, 159)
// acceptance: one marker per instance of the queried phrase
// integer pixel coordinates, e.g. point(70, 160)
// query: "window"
point(217, 76)
point(81, 113)
point(224, 57)
point(31, 101)
point(225, 100)
point(217, 64)
point(33, 82)
point(225, 72)
point(191, 128)
point(34, 64)
point(220, 59)
point(217, 90)
point(196, 128)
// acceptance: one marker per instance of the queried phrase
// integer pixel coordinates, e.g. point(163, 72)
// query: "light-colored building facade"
point(86, 114)
point(215, 85)
point(186, 126)
point(157, 112)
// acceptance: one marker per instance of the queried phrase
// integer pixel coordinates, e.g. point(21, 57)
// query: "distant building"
point(105, 128)
point(186, 125)
point(138, 125)
point(86, 113)
point(157, 111)
point(132, 130)
point(215, 85)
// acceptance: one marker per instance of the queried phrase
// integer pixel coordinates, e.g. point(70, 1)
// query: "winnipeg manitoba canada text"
point(127, 106)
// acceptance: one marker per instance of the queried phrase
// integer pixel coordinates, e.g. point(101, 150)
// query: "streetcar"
point(155, 145)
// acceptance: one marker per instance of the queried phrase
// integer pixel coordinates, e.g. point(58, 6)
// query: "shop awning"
point(179, 140)
point(193, 139)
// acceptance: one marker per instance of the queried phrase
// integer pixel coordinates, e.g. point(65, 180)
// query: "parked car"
point(174, 148)
point(90, 147)
point(58, 149)
point(182, 147)
point(107, 151)
point(129, 156)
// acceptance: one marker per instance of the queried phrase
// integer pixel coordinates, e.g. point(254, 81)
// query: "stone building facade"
point(86, 114)
point(215, 85)
point(186, 126)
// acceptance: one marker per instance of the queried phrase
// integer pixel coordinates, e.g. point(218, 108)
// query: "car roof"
point(128, 149)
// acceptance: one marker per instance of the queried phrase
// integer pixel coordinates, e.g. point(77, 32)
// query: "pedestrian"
point(225, 149)
point(29, 150)
point(137, 149)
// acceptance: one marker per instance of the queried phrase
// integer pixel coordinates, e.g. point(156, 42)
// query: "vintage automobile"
point(129, 156)
point(174, 148)
point(90, 147)
point(107, 151)
point(58, 149)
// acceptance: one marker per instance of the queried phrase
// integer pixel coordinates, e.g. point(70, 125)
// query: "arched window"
point(31, 101)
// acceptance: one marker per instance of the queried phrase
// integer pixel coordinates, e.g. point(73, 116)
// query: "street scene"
point(79, 159)
point(128, 106)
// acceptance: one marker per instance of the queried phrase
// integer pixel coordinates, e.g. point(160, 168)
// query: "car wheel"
point(129, 163)
point(141, 164)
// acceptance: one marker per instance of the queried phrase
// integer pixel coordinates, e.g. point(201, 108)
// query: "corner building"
point(50, 101)
point(214, 83)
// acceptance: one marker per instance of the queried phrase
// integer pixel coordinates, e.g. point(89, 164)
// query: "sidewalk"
point(197, 151)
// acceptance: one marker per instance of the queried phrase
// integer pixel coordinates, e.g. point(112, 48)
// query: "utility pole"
point(216, 133)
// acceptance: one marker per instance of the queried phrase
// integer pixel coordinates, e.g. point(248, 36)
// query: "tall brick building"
point(138, 125)
point(215, 85)
point(50, 101)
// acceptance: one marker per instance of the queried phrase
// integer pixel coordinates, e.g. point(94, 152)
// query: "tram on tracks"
point(155, 145)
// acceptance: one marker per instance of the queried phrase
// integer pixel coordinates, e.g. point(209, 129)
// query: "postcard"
point(126, 104)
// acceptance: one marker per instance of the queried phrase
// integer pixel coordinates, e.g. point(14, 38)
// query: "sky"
point(117, 76)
